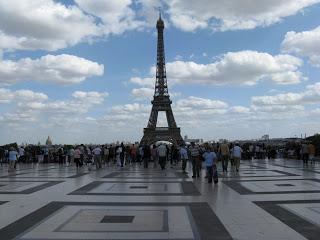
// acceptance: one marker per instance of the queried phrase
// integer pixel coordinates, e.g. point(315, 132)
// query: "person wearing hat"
point(13, 155)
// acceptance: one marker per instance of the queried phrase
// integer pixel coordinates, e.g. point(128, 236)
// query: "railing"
point(162, 128)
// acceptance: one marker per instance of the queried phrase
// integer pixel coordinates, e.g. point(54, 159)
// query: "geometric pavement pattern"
point(267, 199)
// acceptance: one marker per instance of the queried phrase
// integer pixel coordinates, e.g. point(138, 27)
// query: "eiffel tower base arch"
point(153, 135)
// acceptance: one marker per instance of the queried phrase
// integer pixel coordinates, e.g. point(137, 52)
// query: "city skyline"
point(83, 71)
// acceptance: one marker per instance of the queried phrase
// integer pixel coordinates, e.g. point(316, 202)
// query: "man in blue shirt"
point(13, 155)
point(210, 158)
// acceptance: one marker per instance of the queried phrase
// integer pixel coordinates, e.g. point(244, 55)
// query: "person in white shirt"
point(162, 153)
point(236, 152)
point(97, 156)
point(183, 157)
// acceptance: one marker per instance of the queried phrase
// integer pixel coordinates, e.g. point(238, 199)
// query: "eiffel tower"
point(161, 102)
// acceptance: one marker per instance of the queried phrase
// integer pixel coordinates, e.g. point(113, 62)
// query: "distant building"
point(195, 140)
point(49, 141)
point(265, 137)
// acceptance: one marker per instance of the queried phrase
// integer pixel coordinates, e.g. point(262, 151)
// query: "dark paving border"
point(20, 175)
point(235, 185)
point(305, 228)
point(33, 189)
point(206, 224)
point(188, 189)
point(285, 174)
point(116, 175)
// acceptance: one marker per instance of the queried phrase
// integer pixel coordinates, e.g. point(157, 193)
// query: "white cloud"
point(145, 82)
point(196, 102)
point(239, 68)
point(311, 95)
point(142, 93)
point(7, 96)
point(81, 103)
point(287, 102)
point(305, 44)
point(35, 106)
point(43, 24)
point(59, 69)
point(116, 16)
point(190, 15)
point(239, 110)
point(51, 25)
point(17, 117)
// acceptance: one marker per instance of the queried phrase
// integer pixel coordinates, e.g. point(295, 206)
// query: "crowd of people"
point(200, 156)
point(106, 155)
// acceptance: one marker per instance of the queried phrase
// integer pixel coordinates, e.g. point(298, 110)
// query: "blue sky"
point(80, 71)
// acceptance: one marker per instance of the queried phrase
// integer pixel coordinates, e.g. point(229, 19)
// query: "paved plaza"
point(275, 199)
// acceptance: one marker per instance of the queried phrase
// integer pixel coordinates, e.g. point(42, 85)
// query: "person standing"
point(77, 157)
point(133, 153)
point(146, 156)
point(184, 157)
point(61, 156)
point(97, 156)
point(225, 154)
point(236, 153)
point(122, 154)
point(13, 156)
point(210, 158)
point(162, 153)
point(305, 153)
point(112, 153)
point(21, 154)
point(106, 155)
point(154, 156)
point(195, 160)
point(312, 152)
point(71, 156)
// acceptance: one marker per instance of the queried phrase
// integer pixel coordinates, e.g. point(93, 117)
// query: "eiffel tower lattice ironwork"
point(161, 102)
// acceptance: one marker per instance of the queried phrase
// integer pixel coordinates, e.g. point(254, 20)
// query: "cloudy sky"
point(83, 70)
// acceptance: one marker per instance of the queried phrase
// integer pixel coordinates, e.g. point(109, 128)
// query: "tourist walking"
point(162, 153)
point(13, 156)
point(210, 159)
point(183, 157)
point(118, 153)
point(105, 155)
point(70, 156)
point(224, 153)
point(133, 153)
point(77, 157)
point(61, 156)
point(112, 154)
point(312, 152)
point(97, 156)
point(154, 156)
point(236, 153)
point(122, 153)
point(146, 156)
point(195, 160)
point(305, 153)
